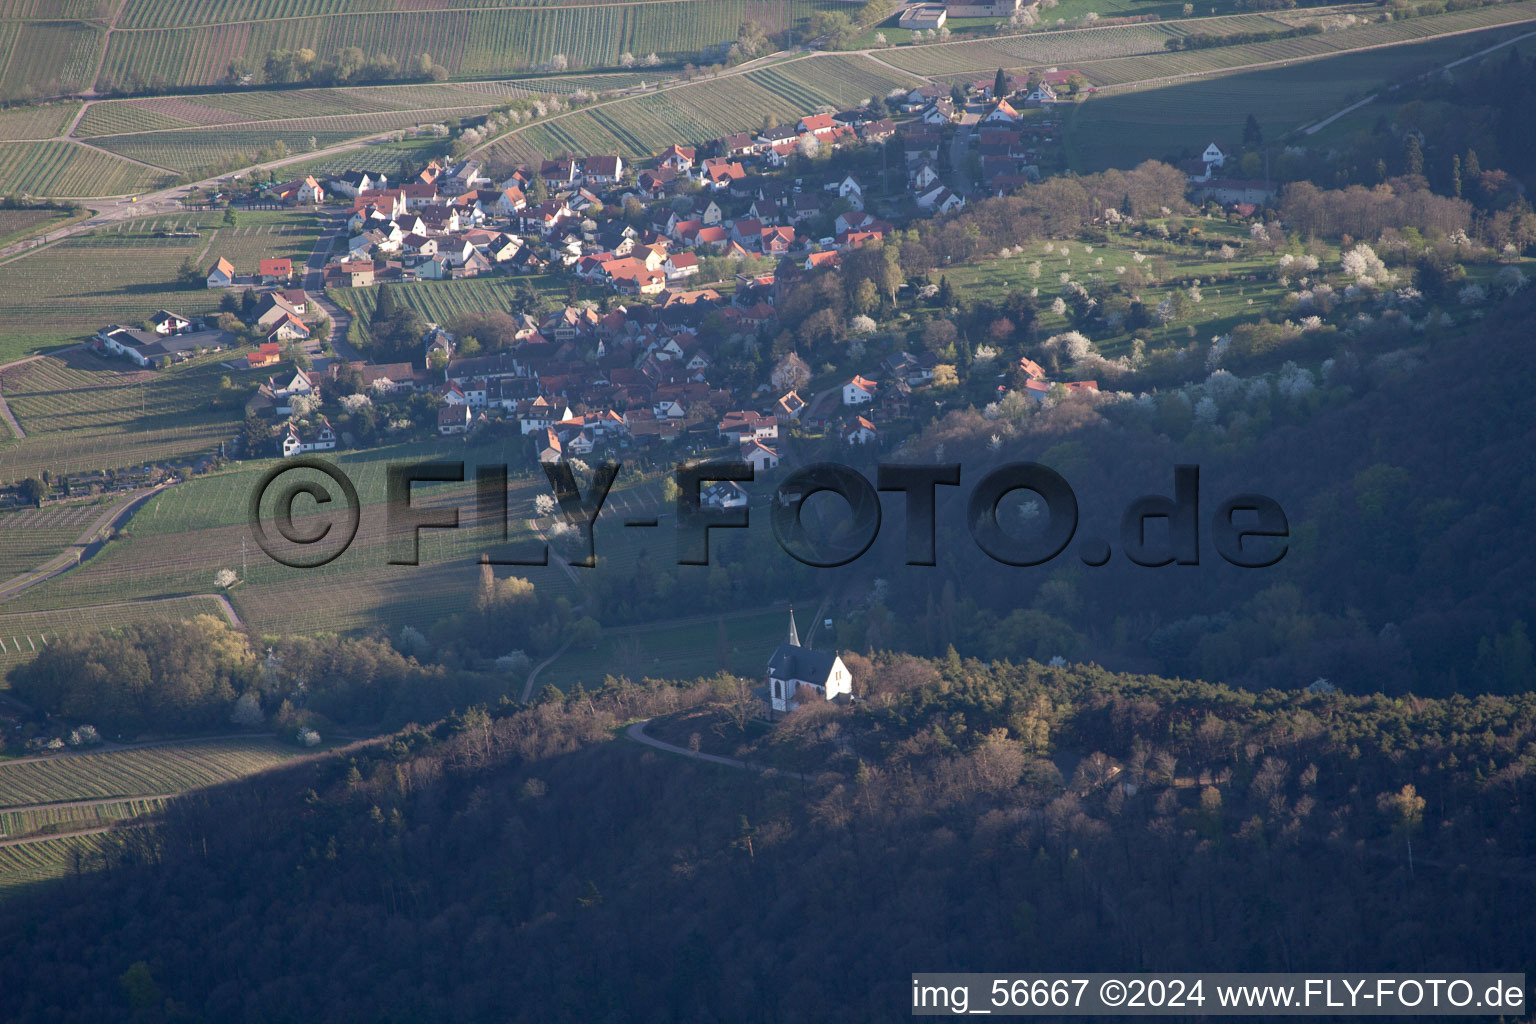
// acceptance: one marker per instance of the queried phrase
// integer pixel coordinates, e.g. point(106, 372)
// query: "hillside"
point(138, 45)
point(532, 866)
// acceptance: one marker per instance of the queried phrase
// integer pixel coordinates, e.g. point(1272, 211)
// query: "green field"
point(1223, 305)
point(673, 652)
point(1122, 127)
point(82, 412)
point(68, 169)
point(122, 274)
point(51, 58)
point(37, 123)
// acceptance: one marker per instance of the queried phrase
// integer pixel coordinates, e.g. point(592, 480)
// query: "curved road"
point(82, 549)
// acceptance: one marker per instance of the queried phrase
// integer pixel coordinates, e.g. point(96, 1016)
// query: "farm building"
point(156, 350)
point(923, 16)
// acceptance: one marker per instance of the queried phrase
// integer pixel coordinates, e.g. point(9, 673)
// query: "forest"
point(528, 863)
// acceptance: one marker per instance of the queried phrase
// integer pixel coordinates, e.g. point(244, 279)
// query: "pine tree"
point(1456, 176)
point(1473, 167)
point(1253, 135)
point(1000, 85)
point(1413, 155)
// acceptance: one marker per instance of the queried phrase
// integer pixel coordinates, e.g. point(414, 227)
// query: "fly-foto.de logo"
point(1247, 530)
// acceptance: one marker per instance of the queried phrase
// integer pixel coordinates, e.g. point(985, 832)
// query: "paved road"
point(314, 284)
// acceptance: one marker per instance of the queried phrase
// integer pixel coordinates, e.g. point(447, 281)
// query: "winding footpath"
point(636, 732)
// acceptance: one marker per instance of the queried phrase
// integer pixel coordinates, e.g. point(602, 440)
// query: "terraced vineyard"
point(62, 168)
point(86, 414)
point(54, 818)
point(23, 634)
point(48, 10)
point(644, 125)
point(30, 537)
point(171, 13)
point(837, 81)
point(40, 122)
point(17, 224)
point(187, 533)
point(442, 301)
point(641, 126)
point(465, 40)
point(145, 771)
point(192, 151)
point(1151, 67)
point(51, 58)
point(29, 863)
point(1038, 48)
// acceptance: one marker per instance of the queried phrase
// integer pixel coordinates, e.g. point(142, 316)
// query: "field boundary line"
point(51, 836)
point(272, 123)
point(153, 167)
point(105, 801)
point(620, 5)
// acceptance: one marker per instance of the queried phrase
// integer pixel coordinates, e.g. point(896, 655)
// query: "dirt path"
point(112, 209)
point(50, 836)
point(82, 549)
point(106, 801)
point(540, 667)
point(1325, 122)
point(637, 733)
point(1287, 61)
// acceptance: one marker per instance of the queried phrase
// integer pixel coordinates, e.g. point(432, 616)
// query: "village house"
point(678, 158)
point(859, 390)
point(859, 431)
point(222, 275)
point(269, 353)
point(297, 440)
point(923, 17)
point(278, 271)
point(759, 456)
point(454, 419)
